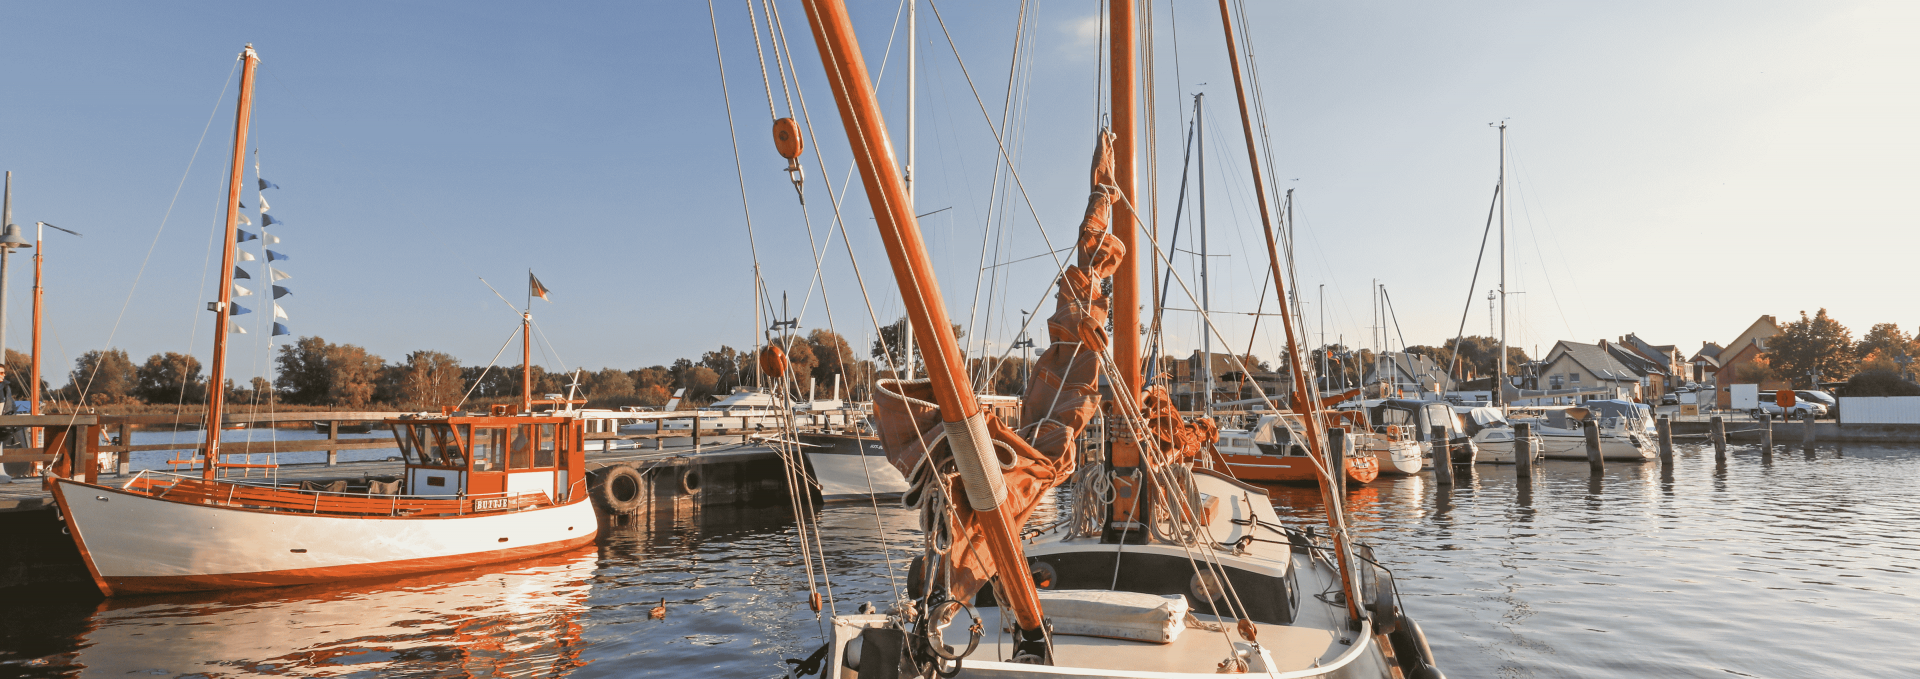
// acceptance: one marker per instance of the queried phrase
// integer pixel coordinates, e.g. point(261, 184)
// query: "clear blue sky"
point(1676, 170)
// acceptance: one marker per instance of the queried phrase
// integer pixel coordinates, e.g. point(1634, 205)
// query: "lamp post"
point(10, 240)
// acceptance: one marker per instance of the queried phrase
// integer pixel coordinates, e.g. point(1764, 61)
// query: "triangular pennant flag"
point(535, 288)
point(279, 292)
point(264, 184)
point(279, 312)
point(279, 275)
point(238, 310)
point(243, 220)
point(270, 238)
point(244, 256)
point(239, 273)
point(239, 291)
point(235, 327)
point(268, 220)
point(279, 329)
point(276, 257)
point(243, 235)
point(263, 203)
point(243, 203)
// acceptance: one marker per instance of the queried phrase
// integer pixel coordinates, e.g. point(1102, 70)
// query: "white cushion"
point(1115, 615)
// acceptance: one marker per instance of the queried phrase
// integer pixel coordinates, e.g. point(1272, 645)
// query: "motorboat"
point(1414, 420)
point(1493, 436)
point(1625, 429)
point(1274, 450)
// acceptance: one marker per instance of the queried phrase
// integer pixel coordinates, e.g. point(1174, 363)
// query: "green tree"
point(171, 378)
point(887, 347)
point(102, 378)
point(1810, 346)
point(314, 372)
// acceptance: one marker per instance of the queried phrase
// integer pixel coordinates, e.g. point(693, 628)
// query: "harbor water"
point(1795, 564)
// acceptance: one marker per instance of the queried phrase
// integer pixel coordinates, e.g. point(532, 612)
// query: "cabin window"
point(543, 453)
point(489, 450)
point(447, 447)
point(405, 442)
point(519, 448)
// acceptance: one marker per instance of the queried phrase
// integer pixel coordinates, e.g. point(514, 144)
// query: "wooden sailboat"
point(1164, 568)
point(478, 488)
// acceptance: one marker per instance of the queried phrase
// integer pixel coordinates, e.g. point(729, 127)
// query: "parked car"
point(1820, 397)
point(1800, 409)
point(1669, 399)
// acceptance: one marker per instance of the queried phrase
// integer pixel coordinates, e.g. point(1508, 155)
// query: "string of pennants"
point(274, 273)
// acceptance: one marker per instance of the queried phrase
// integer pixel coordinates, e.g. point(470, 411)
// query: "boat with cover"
point(1493, 436)
point(1626, 429)
point(1403, 419)
point(477, 488)
point(1274, 450)
point(1164, 568)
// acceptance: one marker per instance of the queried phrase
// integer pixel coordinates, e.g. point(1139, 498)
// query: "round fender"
point(617, 489)
point(690, 480)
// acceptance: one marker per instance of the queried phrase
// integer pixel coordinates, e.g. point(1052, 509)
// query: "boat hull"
point(1397, 458)
point(1361, 469)
point(136, 544)
point(1612, 448)
point(851, 468)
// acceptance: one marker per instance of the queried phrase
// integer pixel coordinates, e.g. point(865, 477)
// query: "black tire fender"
point(617, 489)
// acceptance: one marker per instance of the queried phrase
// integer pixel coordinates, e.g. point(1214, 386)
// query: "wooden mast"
point(33, 373)
point(886, 192)
point(222, 310)
point(1132, 493)
point(526, 360)
point(1332, 468)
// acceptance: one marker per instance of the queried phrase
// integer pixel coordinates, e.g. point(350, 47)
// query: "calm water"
point(1791, 566)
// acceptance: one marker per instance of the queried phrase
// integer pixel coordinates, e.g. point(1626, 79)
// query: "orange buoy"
point(773, 361)
point(786, 139)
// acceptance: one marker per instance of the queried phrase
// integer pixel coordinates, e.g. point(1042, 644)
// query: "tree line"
point(1819, 350)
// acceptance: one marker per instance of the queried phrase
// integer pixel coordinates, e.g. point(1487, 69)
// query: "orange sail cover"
point(1062, 399)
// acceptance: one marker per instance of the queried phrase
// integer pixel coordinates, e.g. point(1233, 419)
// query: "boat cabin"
point(1400, 415)
point(493, 456)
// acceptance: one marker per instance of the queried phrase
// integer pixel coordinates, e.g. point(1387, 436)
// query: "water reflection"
point(522, 621)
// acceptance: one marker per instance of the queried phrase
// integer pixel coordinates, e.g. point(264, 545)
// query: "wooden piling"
point(1337, 446)
point(1523, 450)
point(1592, 429)
point(1806, 430)
point(1442, 456)
point(333, 436)
point(1719, 436)
point(696, 433)
point(1766, 433)
point(1664, 427)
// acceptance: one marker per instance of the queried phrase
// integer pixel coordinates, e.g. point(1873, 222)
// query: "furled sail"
point(1063, 398)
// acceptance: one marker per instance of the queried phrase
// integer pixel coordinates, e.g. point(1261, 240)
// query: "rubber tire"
point(618, 489)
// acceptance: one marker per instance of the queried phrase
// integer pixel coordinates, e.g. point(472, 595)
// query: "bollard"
point(1523, 450)
point(1719, 436)
point(1806, 430)
point(1766, 433)
point(1664, 426)
point(1442, 456)
point(696, 433)
point(1337, 445)
point(1592, 428)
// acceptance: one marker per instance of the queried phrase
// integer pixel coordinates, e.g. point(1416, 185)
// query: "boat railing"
point(164, 485)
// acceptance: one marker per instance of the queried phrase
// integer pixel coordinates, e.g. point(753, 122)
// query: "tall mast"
point(1126, 281)
point(223, 310)
point(913, 123)
point(886, 191)
point(1500, 380)
point(1206, 300)
point(526, 360)
point(1331, 481)
point(33, 373)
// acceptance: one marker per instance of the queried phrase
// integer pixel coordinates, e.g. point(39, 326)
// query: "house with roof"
point(1655, 376)
point(1706, 362)
point(1740, 360)
point(1673, 363)
point(1573, 365)
point(1235, 378)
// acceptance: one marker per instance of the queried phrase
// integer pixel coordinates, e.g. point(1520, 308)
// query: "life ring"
point(618, 489)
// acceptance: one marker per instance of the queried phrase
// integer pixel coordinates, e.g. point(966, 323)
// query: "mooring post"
point(1592, 429)
point(1664, 427)
point(1442, 456)
point(333, 438)
point(1719, 436)
point(1523, 449)
point(1806, 430)
point(1337, 445)
point(696, 433)
point(1766, 433)
point(123, 460)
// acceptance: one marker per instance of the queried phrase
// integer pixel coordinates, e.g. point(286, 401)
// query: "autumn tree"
point(1812, 346)
point(887, 347)
point(101, 378)
point(314, 372)
point(170, 378)
point(429, 379)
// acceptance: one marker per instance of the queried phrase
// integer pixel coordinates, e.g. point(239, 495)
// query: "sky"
point(1673, 170)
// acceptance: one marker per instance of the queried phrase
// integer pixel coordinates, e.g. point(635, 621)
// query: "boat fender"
point(773, 361)
point(690, 480)
point(617, 489)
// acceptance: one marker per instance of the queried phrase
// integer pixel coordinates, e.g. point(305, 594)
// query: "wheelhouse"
point(501, 456)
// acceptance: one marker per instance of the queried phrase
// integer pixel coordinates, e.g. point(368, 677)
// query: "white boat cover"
point(1115, 615)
